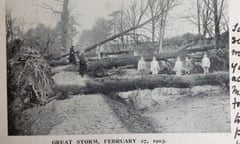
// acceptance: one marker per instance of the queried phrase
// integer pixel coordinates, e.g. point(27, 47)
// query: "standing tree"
point(119, 23)
point(154, 9)
point(165, 7)
point(135, 14)
point(66, 24)
point(206, 20)
point(160, 8)
point(216, 7)
point(217, 18)
point(210, 19)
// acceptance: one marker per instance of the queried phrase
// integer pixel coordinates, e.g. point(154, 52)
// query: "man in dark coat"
point(82, 64)
point(72, 58)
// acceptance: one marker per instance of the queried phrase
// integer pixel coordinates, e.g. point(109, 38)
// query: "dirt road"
point(86, 114)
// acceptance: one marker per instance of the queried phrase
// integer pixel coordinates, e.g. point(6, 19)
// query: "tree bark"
point(162, 31)
point(153, 30)
point(199, 22)
point(148, 82)
point(64, 23)
point(215, 8)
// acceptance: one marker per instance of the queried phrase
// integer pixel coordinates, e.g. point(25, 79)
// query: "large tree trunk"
point(162, 31)
point(216, 23)
point(199, 22)
point(64, 24)
point(148, 82)
point(153, 30)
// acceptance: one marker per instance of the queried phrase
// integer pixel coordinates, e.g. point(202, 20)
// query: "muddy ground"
point(204, 109)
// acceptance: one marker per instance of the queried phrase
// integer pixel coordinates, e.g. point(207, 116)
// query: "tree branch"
point(48, 7)
point(220, 11)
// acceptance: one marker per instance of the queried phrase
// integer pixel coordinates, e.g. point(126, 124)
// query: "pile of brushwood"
point(29, 81)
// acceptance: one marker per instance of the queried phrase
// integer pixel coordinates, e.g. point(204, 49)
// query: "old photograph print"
point(77, 67)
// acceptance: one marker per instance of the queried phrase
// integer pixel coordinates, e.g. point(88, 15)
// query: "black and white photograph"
point(84, 67)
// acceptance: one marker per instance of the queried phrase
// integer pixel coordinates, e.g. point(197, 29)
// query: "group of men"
point(179, 68)
point(74, 57)
point(78, 57)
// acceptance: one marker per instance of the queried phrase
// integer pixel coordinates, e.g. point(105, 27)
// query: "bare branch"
point(208, 6)
point(220, 11)
point(48, 7)
point(141, 15)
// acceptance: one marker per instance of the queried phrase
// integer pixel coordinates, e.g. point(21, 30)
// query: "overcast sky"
point(90, 10)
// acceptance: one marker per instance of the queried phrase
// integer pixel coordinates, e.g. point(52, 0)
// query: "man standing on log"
point(155, 66)
point(141, 65)
point(187, 65)
point(178, 67)
point(82, 64)
point(205, 63)
point(99, 52)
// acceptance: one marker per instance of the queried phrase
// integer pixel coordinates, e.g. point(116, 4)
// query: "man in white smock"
point(99, 52)
point(206, 64)
point(187, 65)
point(178, 67)
point(155, 66)
point(141, 65)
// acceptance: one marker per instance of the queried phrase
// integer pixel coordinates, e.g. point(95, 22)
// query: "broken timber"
point(147, 82)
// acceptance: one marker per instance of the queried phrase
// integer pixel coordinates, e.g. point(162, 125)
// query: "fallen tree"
point(55, 63)
point(133, 60)
point(148, 82)
point(94, 46)
point(108, 63)
point(129, 60)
